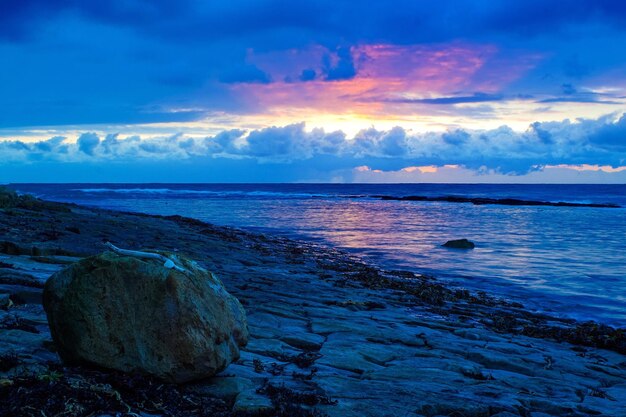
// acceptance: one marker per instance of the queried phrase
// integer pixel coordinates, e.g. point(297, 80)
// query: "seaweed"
point(302, 360)
point(8, 361)
point(290, 403)
point(81, 392)
point(10, 248)
point(357, 305)
point(258, 366)
point(600, 393)
point(276, 369)
point(590, 334)
point(73, 229)
point(305, 377)
point(476, 374)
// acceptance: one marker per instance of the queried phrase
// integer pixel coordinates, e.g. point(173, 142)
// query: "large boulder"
point(136, 315)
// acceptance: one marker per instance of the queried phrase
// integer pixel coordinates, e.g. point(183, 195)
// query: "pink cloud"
point(385, 74)
point(565, 174)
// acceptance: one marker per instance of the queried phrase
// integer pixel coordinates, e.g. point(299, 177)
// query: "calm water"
point(570, 261)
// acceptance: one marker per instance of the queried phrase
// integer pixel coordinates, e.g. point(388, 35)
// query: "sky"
point(313, 91)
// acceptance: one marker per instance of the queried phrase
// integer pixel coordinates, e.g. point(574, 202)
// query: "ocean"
point(568, 261)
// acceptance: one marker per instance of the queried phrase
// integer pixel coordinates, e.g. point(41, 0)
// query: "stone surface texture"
point(363, 352)
point(135, 315)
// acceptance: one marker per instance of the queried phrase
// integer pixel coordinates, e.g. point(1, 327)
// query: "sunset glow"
point(328, 87)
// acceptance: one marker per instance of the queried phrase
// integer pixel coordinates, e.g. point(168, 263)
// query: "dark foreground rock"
point(459, 244)
point(135, 315)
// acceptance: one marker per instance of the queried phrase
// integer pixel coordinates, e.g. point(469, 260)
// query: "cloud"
point(555, 174)
point(377, 80)
point(307, 74)
point(582, 143)
point(373, 142)
point(54, 144)
point(291, 142)
point(339, 65)
point(407, 20)
point(610, 136)
point(182, 61)
point(456, 137)
point(87, 142)
point(542, 134)
point(578, 99)
point(245, 74)
point(474, 98)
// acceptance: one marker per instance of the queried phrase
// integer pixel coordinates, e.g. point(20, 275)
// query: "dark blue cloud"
point(54, 144)
point(611, 136)
point(404, 20)
point(308, 75)
point(245, 74)
point(455, 137)
point(544, 136)
point(19, 19)
point(343, 69)
point(293, 153)
point(87, 142)
point(105, 62)
point(533, 17)
point(579, 99)
point(568, 89)
point(275, 142)
point(474, 98)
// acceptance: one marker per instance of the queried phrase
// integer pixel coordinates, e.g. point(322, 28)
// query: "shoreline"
point(449, 281)
point(328, 325)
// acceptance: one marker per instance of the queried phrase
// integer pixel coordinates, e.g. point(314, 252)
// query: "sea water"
point(569, 261)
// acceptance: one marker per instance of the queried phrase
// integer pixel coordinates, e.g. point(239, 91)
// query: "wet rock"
point(459, 244)
point(136, 315)
point(266, 347)
point(21, 294)
point(10, 248)
point(225, 387)
point(249, 401)
point(5, 301)
point(304, 341)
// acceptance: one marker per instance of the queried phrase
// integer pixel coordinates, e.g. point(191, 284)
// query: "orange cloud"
point(385, 74)
point(422, 169)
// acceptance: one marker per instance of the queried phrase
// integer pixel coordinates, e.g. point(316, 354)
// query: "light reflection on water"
point(566, 260)
point(570, 261)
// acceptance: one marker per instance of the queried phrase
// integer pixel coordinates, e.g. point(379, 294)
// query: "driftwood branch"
point(168, 263)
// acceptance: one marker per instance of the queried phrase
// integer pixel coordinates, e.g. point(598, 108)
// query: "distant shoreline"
point(497, 201)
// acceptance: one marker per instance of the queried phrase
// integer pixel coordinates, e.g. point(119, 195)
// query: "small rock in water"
point(135, 315)
point(459, 244)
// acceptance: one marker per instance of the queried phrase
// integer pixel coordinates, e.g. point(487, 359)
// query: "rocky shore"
point(329, 334)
